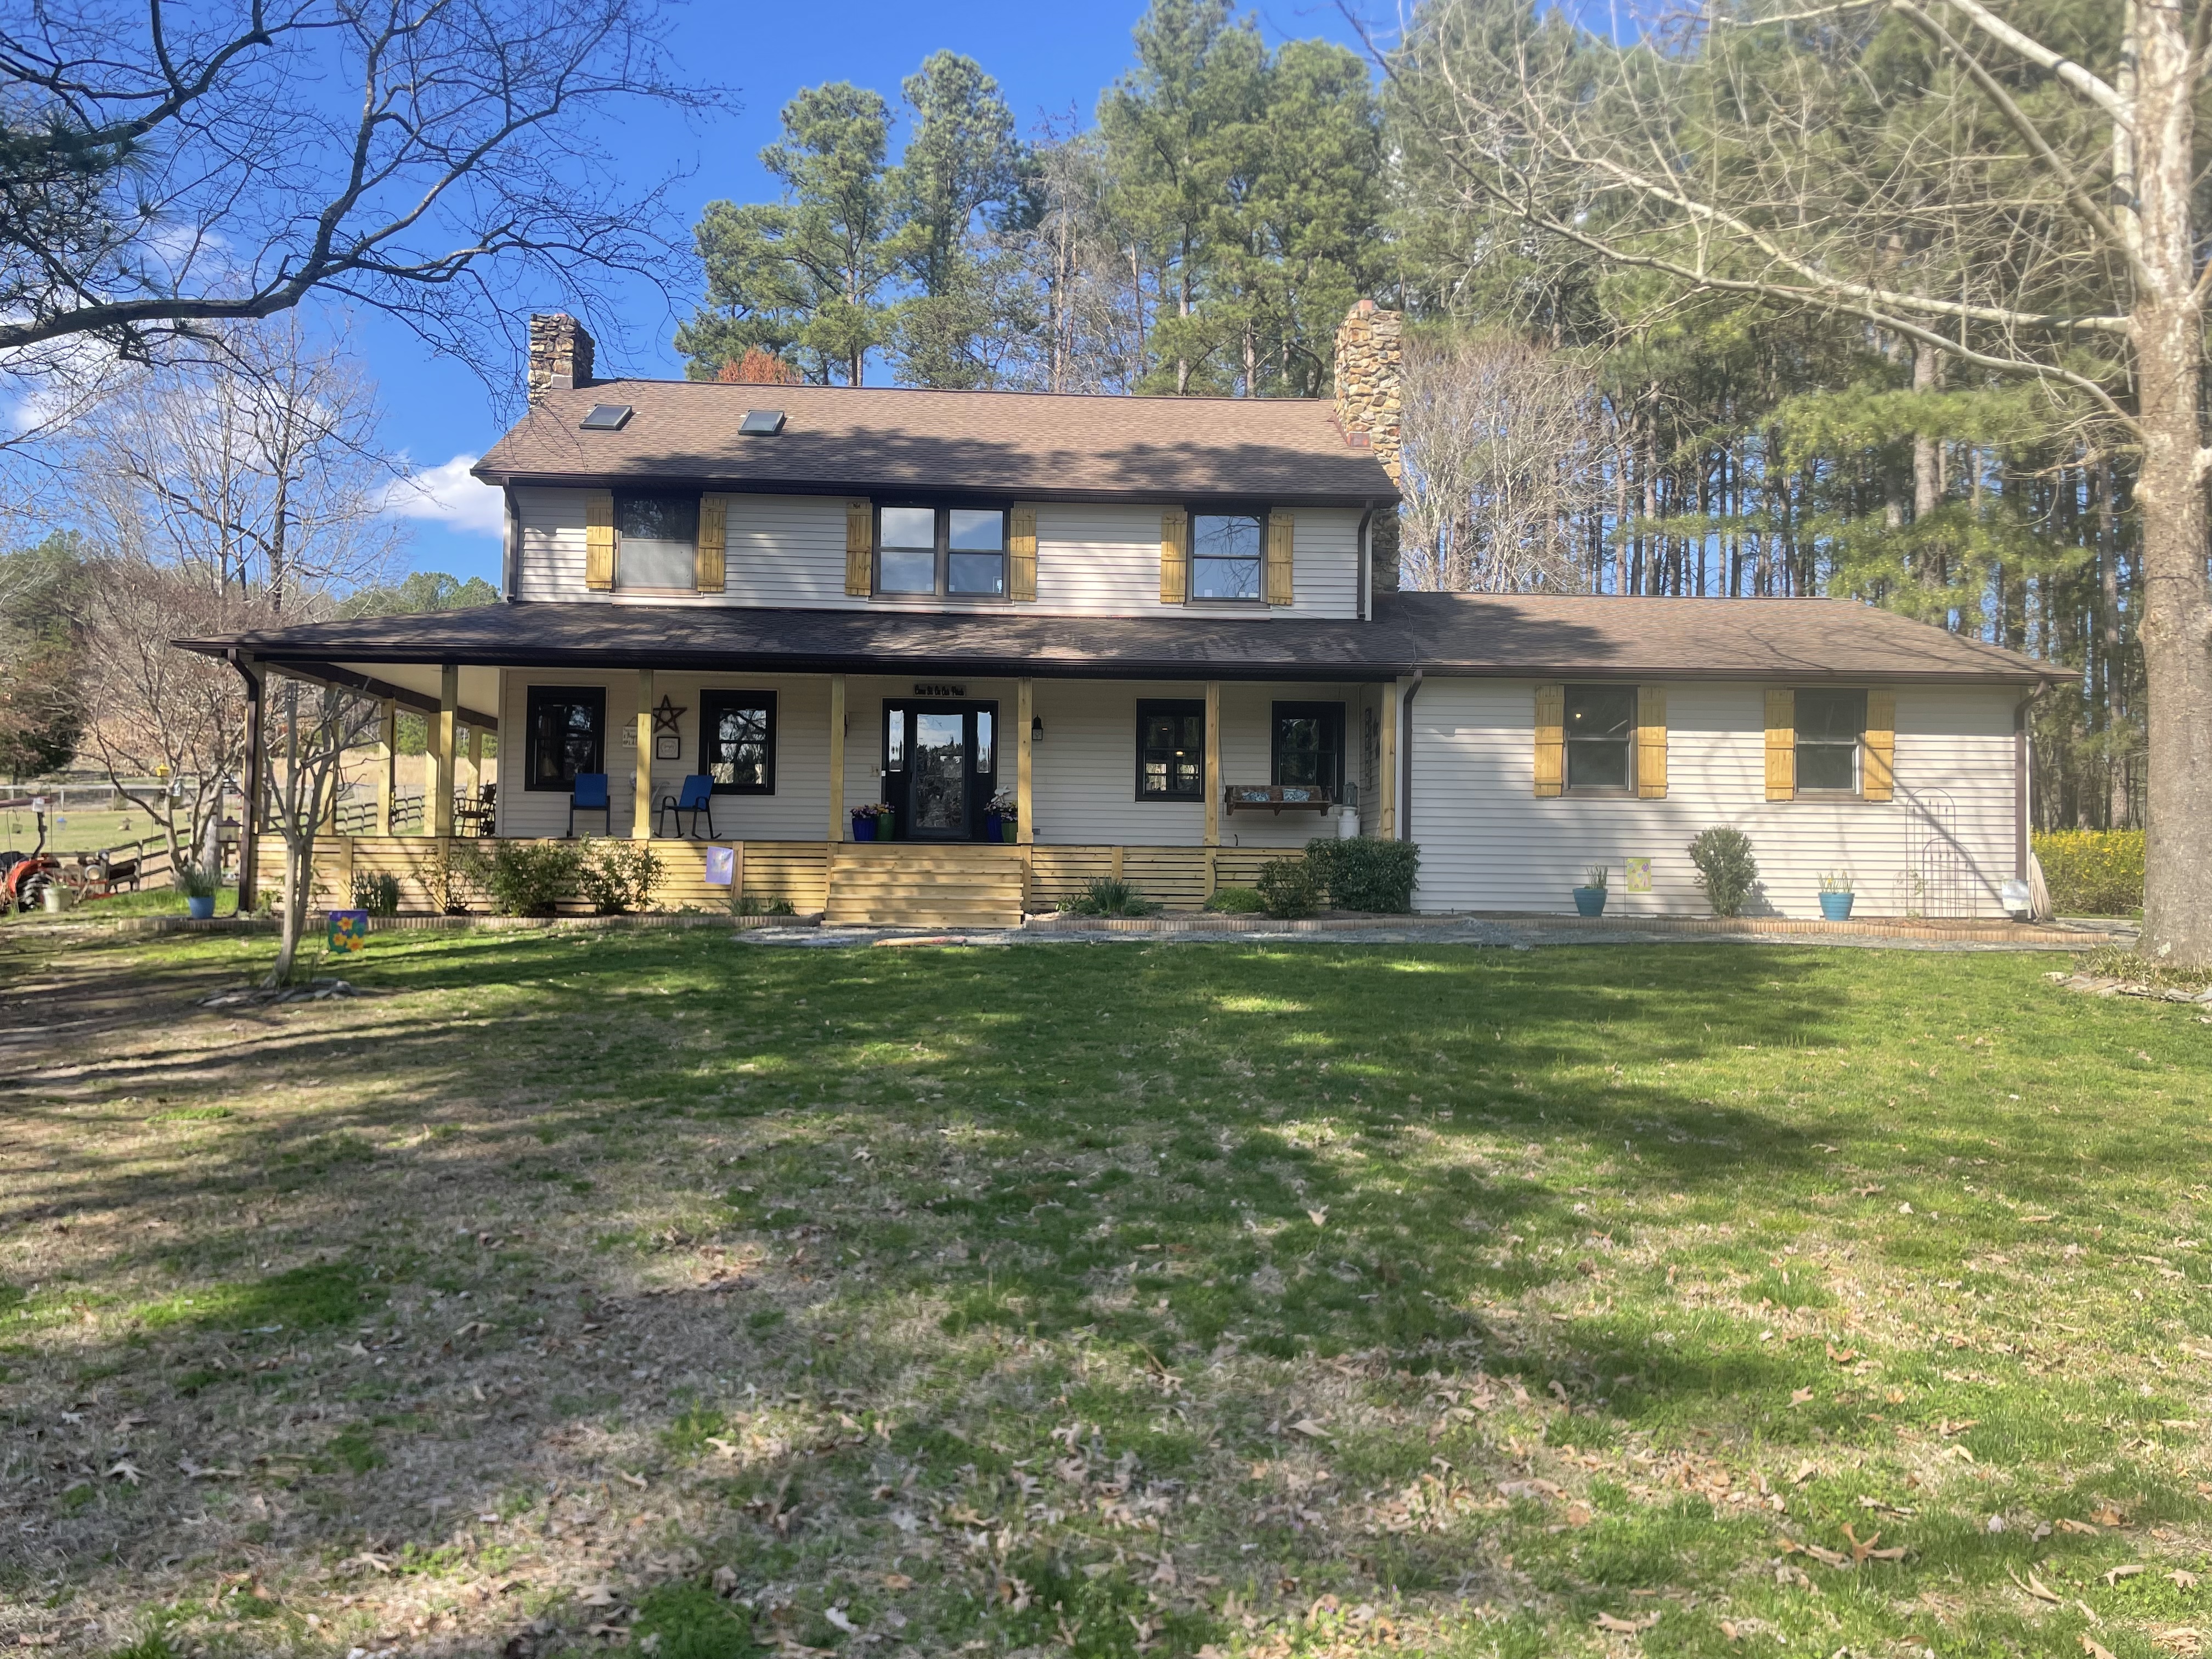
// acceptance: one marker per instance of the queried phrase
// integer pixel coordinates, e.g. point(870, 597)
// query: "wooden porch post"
point(476, 760)
point(438, 775)
point(249, 811)
point(836, 757)
point(387, 763)
point(1024, 717)
point(1213, 763)
point(641, 811)
point(1386, 784)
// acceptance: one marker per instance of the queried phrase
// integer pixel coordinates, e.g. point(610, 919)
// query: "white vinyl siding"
point(788, 551)
point(1487, 842)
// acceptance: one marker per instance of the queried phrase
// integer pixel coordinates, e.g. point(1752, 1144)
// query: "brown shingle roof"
point(1037, 445)
point(1515, 636)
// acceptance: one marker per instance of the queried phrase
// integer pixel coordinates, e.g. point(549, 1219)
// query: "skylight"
point(606, 417)
point(762, 423)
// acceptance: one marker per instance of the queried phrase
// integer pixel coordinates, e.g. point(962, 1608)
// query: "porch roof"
point(1521, 636)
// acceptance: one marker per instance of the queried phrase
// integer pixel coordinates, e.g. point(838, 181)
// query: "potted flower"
point(999, 816)
point(866, 822)
point(1590, 897)
point(197, 882)
point(1836, 896)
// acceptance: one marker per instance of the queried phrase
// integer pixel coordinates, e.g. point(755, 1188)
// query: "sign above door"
point(939, 689)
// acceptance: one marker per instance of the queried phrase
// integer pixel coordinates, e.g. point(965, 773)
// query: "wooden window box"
point(1277, 798)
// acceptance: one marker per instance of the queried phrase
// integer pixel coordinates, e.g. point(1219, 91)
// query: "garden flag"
point(349, 930)
point(1639, 875)
point(721, 866)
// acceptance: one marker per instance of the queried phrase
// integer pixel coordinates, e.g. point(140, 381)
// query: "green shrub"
point(1726, 869)
point(378, 895)
point(1236, 901)
point(2092, 873)
point(1291, 887)
point(1109, 895)
point(531, 878)
point(618, 877)
point(1367, 874)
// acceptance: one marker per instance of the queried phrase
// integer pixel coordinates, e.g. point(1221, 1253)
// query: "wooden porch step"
point(909, 884)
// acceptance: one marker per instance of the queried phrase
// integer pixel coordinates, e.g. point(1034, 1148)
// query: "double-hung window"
point(1830, 727)
point(736, 741)
point(1170, 751)
point(567, 727)
point(660, 540)
point(1600, 730)
point(1308, 745)
point(959, 552)
point(1225, 555)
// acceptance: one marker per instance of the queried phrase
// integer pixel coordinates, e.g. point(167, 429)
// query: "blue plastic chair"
point(698, 797)
point(589, 795)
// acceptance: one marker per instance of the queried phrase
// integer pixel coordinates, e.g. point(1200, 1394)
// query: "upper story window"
point(1830, 726)
point(658, 537)
point(959, 552)
point(1225, 555)
point(1600, 728)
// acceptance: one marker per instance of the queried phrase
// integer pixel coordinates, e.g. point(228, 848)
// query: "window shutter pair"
point(860, 548)
point(1877, 745)
point(1174, 556)
point(1021, 555)
point(709, 560)
point(1281, 533)
point(1649, 746)
point(599, 539)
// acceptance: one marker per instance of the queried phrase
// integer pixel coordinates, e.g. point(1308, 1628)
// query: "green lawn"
point(716, 1298)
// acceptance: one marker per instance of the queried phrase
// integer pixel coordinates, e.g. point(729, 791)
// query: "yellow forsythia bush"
point(2092, 873)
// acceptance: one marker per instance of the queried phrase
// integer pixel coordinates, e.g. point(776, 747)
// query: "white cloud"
point(447, 494)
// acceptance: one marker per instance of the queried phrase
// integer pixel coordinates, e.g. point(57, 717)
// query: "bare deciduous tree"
point(1503, 450)
point(311, 726)
point(1930, 171)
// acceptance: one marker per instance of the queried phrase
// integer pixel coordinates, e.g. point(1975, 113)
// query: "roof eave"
point(503, 477)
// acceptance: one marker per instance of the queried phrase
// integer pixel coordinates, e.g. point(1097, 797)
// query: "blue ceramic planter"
point(1589, 901)
point(1836, 907)
point(200, 906)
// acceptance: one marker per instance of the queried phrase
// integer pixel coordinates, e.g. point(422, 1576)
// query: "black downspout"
point(1406, 758)
point(249, 873)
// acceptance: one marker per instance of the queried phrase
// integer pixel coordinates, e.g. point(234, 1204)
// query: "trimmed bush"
point(1109, 895)
point(1236, 901)
point(618, 877)
point(378, 895)
point(1290, 888)
point(2092, 873)
point(1366, 874)
point(531, 878)
point(1726, 869)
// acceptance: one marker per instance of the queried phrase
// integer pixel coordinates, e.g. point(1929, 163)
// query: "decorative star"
point(666, 716)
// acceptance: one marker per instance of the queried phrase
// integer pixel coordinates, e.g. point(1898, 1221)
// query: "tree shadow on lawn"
point(1116, 1161)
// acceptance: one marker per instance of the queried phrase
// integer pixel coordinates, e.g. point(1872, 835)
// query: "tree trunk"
point(2168, 331)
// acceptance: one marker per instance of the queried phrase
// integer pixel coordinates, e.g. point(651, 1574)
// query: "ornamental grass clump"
point(1109, 895)
point(1726, 869)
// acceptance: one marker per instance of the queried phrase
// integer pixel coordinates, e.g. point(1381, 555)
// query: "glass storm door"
point(940, 776)
point(938, 768)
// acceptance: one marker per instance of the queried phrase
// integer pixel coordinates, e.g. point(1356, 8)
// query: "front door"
point(940, 768)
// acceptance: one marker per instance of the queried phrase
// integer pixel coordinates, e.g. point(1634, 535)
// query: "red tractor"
point(25, 877)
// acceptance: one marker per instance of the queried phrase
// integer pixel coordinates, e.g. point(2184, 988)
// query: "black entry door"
point(940, 767)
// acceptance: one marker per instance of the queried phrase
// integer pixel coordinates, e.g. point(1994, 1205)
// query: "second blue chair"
point(698, 797)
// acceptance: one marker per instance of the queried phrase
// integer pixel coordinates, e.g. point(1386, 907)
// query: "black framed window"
point(659, 537)
point(1830, 727)
point(1170, 751)
point(567, 734)
point(1601, 730)
point(736, 741)
point(957, 551)
point(1308, 745)
point(1225, 555)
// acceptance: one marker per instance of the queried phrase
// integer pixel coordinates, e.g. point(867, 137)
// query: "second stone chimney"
point(560, 354)
point(1370, 355)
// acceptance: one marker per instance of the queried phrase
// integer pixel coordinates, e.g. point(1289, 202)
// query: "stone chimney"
point(560, 354)
point(1370, 355)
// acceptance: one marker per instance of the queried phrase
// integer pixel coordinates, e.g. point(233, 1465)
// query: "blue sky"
point(1051, 60)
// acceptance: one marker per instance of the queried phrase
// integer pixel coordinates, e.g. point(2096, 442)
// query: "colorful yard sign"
point(349, 930)
point(1639, 875)
point(721, 866)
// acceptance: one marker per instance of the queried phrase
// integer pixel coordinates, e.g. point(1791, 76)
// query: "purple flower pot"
point(864, 827)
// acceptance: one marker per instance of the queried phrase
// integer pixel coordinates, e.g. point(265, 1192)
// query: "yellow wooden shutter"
point(860, 548)
point(599, 538)
point(1551, 738)
point(1781, 744)
point(1281, 532)
point(708, 565)
point(1651, 742)
point(1021, 555)
point(1878, 773)
point(1175, 557)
